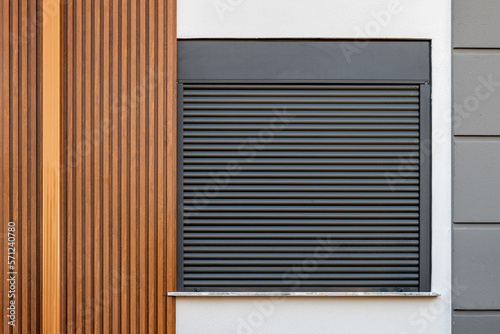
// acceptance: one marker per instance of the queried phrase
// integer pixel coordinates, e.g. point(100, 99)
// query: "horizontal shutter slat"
point(315, 276)
point(299, 118)
point(302, 106)
point(318, 133)
point(309, 181)
point(292, 87)
point(297, 225)
point(299, 100)
point(294, 280)
point(274, 242)
point(328, 91)
point(343, 167)
point(303, 256)
point(298, 114)
point(267, 201)
point(263, 237)
point(272, 269)
point(303, 208)
point(286, 148)
point(357, 263)
point(298, 248)
point(231, 187)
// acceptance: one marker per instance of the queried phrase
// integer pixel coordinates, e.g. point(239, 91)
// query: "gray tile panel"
point(478, 323)
point(476, 88)
point(476, 270)
point(477, 180)
point(476, 23)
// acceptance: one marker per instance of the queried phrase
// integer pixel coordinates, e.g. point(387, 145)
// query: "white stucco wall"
point(405, 19)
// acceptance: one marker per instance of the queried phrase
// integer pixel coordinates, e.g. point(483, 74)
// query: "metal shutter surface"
point(299, 187)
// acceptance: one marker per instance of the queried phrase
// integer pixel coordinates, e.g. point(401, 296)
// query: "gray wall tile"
point(476, 323)
point(476, 267)
point(476, 23)
point(477, 180)
point(476, 87)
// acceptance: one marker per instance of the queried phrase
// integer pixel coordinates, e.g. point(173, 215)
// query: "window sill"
point(303, 294)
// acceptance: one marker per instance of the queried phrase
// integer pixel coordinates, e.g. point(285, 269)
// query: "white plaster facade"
point(338, 19)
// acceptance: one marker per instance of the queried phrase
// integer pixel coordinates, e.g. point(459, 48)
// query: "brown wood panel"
point(51, 146)
point(88, 212)
point(21, 159)
point(105, 49)
point(97, 158)
point(161, 170)
point(118, 84)
point(171, 160)
point(123, 64)
point(134, 181)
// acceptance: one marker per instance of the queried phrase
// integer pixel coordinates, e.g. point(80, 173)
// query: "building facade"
point(235, 166)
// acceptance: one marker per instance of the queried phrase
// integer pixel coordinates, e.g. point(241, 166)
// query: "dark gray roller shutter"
point(301, 170)
point(305, 187)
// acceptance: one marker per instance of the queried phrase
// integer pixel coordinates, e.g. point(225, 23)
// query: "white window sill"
point(303, 294)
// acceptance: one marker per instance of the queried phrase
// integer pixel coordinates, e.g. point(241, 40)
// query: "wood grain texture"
point(171, 161)
point(51, 147)
point(21, 159)
point(119, 104)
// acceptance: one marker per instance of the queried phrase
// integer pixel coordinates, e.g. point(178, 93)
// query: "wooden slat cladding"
point(114, 177)
point(20, 158)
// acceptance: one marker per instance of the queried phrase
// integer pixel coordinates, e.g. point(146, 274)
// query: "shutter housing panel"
point(299, 187)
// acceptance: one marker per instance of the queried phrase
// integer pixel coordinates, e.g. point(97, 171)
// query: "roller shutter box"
point(303, 185)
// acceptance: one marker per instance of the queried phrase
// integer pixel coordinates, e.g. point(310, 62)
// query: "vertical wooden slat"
point(161, 137)
point(70, 164)
point(97, 181)
point(5, 160)
point(106, 170)
point(51, 169)
point(39, 158)
point(23, 142)
point(134, 157)
point(115, 171)
point(171, 179)
point(79, 203)
point(88, 147)
point(64, 175)
point(152, 182)
point(32, 165)
point(2, 164)
point(143, 311)
point(15, 154)
point(124, 173)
